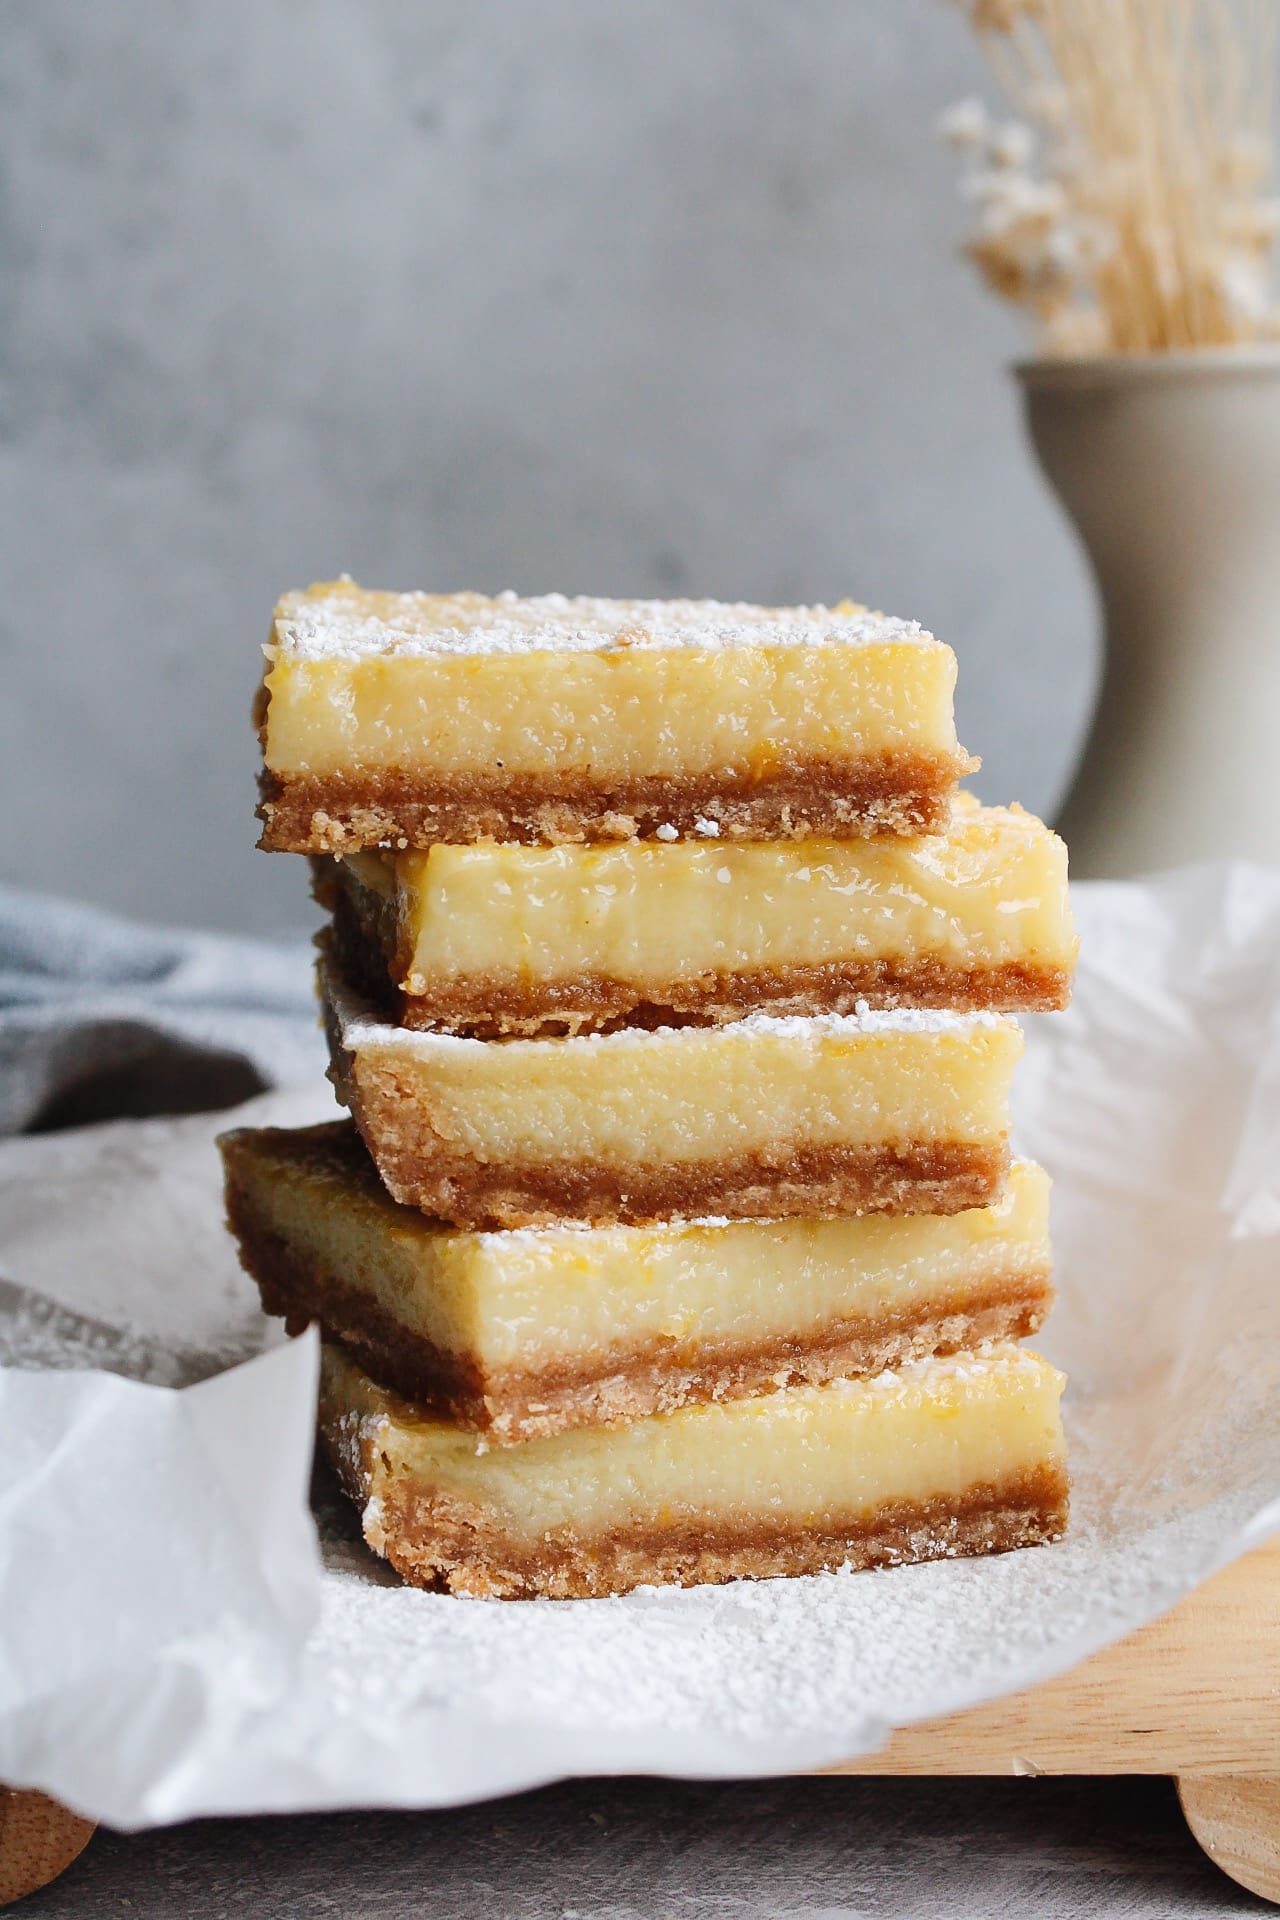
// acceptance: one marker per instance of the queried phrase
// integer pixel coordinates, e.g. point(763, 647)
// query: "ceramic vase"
point(1169, 466)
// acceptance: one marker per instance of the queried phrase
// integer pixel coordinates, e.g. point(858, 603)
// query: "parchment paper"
point(173, 1644)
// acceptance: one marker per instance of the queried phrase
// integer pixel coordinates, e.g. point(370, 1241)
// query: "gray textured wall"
point(659, 297)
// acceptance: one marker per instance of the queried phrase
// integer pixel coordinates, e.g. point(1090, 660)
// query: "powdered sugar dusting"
point(362, 1029)
point(639, 1236)
point(343, 621)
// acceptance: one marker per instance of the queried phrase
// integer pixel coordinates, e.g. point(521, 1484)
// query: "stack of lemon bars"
point(669, 982)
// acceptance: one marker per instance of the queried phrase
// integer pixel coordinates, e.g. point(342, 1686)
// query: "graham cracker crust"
point(439, 1541)
point(896, 793)
point(613, 1386)
point(494, 1006)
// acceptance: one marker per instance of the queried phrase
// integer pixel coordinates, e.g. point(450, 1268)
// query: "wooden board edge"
point(1197, 1692)
point(39, 1839)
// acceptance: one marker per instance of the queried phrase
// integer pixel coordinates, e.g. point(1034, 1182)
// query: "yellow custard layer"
point(450, 685)
point(988, 894)
point(811, 1457)
point(533, 1298)
point(760, 1086)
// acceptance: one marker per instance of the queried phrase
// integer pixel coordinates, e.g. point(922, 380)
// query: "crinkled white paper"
point(172, 1647)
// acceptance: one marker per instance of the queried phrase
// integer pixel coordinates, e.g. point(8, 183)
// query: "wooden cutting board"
point(1196, 1695)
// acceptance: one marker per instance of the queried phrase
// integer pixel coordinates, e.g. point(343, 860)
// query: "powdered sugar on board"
point(342, 621)
point(1155, 1102)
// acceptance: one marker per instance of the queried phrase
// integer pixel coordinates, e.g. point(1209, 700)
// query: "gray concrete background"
point(641, 299)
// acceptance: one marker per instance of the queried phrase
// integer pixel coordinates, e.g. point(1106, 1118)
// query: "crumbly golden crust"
point(896, 793)
point(439, 1541)
point(492, 1009)
point(609, 1387)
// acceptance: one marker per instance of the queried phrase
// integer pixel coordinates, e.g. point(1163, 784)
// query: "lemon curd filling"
point(458, 681)
point(988, 894)
point(805, 1470)
point(698, 1092)
point(506, 1327)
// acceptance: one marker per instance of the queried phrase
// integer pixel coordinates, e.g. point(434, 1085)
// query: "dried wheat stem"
point(1147, 225)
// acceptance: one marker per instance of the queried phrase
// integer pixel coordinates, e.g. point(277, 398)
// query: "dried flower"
point(999, 16)
point(1074, 331)
point(1049, 103)
point(1244, 289)
point(1012, 145)
point(965, 125)
point(1142, 222)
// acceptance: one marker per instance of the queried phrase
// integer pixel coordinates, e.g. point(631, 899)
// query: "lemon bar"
point(412, 718)
point(536, 1330)
point(496, 939)
point(943, 1457)
point(899, 1112)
